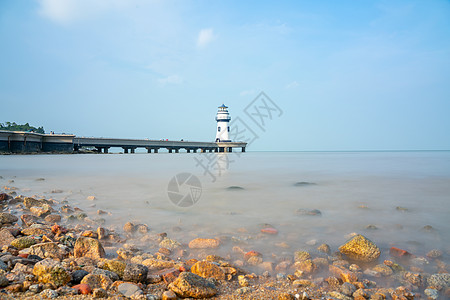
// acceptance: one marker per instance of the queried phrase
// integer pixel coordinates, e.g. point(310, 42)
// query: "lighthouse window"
point(228, 128)
point(218, 128)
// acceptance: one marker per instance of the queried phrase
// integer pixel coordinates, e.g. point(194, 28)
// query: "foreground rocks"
point(68, 254)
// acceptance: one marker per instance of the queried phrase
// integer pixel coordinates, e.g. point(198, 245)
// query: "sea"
point(396, 199)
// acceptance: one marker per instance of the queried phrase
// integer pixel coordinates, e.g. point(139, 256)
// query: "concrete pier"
point(29, 142)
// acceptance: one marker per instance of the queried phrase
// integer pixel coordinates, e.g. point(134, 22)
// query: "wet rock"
point(312, 212)
point(115, 266)
point(30, 202)
point(3, 196)
point(435, 253)
point(102, 233)
point(304, 183)
point(97, 281)
point(128, 289)
point(383, 270)
point(51, 271)
point(243, 281)
point(208, 269)
point(23, 242)
point(29, 220)
point(135, 273)
point(269, 230)
point(129, 227)
point(99, 293)
point(235, 188)
point(305, 266)
point(5, 237)
point(302, 255)
point(3, 280)
point(337, 295)
point(402, 209)
point(7, 218)
point(78, 275)
point(397, 252)
point(344, 274)
point(431, 293)
point(413, 278)
point(192, 285)
point(169, 244)
point(53, 218)
point(348, 289)
point(243, 290)
point(200, 243)
point(324, 248)
point(439, 281)
point(88, 247)
point(141, 228)
point(35, 288)
point(360, 248)
point(48, 250)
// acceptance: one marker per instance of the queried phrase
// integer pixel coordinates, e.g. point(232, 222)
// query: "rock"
point(48, 250)
point(142, 228)
point(397, 252)
point(208, 269)
point(200, 243)
point(269, 230)
point(23, 242)
point(88, 247)
point(49, 294)
point(304, 183)
point(37, 230)
point(348, 289)
point(3, 281)
point(439, 281)
point(431, 293)
point(30, 202)
point(305, 266)
point(135, 273)
point(337, 295)
point(67, 291)
point(129, 227)
point(169, 244)
point(312, 212)
point(3, 196)
point(35, 288)
point(91, 198)
point(302, 255)
point(41, 211)
point(5, 237)
point(115, 266)
point(191, 285)
point(435, 253)
point(360, 248)
point(99, 293)
point(78, 275)
point(97, 281)
point(243, 290)
point(102, 233)
point(53, 218)
point(127, 289)
point(51, 271)
point(169, 295)
point(113, 276)
point(285, 296)
point(383, 270)
point(29, 220)
point(243, 281)
point(343, 274)
point(7, 218)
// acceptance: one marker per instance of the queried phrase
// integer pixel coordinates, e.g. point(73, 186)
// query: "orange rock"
point(345, 275)
point(252, 253)
point(24, 255)
point(269, 230)
point(83, 288)
point(200, 243)
point(208, 269)
point(397, 252)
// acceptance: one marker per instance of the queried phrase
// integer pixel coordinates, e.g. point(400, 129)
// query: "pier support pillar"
point(125, 150)
point(155, 150)
point(105, 150)
point(230, 149)
point(216, 149)
point(202, 150)
point(132, 150)
point(188, 150)
point(243, 149)
point(170, 150)
point(221, 149)
point(177, 150)
point(210, 150)
point(194, 150)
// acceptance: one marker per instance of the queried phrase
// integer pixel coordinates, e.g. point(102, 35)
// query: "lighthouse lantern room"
point(223, 128)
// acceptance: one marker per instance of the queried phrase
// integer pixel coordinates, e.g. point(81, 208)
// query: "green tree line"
point(12, 126)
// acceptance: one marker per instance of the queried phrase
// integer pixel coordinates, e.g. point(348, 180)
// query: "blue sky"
point(348, 75)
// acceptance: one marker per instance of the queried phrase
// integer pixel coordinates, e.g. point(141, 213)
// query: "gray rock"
point(78, 275)
point(348, 289)
point(431, 293)
point(113, 276)
point(7, 218)
point(49, 294)
point(35, 288)
point(3, 280)
point(127, 289)
point(135, 273)
point(3, 266)
point(439, 281)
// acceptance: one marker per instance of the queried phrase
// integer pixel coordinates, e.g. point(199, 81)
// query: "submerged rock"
point(235, 188)
point(7, 218)
point(200, 243)
point(360, 248)
point(312, 212)
point(304, 183)
point(191, 285)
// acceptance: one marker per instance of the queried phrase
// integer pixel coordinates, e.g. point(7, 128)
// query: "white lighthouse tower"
point(223, 128)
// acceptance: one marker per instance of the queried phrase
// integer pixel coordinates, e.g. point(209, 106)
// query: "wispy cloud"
point(172, 79)
point(205, 36)
point(247, 92)
point(292, 85)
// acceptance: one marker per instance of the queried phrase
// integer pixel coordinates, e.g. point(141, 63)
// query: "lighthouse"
point(223, 128)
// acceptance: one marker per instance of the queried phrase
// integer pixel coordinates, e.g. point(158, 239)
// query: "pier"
point(30, 142)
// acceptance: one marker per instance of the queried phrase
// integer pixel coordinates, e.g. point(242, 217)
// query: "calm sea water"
point(352, 190)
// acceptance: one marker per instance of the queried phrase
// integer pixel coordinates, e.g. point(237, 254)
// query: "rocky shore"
point(50, 249)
